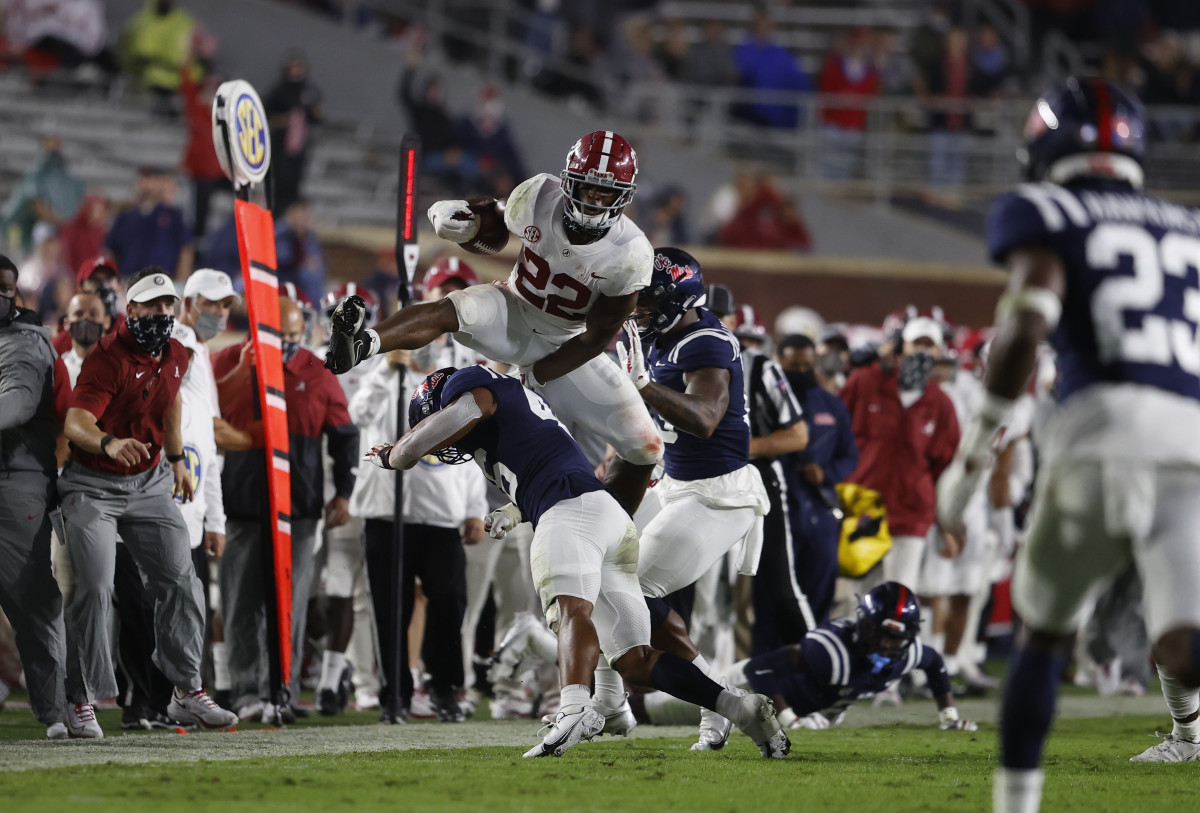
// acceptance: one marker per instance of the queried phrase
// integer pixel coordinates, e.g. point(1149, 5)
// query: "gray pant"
point(96, 507)
point(28, 592)
point(243, 568)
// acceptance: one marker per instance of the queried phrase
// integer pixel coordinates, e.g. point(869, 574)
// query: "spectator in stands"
point(298, 255)
point(927, 45)
point(668, 218)
point(640, 77)
point(83, 235)
point(486, 136)
point(293, 105)
point(1169, 79)
point(765, 219)
point(63, 35)
point(710, 61)
point(579, 80)
point(156, 46)
point(829, 458)
point(316, 406)
point(764, 64)
point(672, 52)
point(44, 267)
point(28, 591)
point(443, 153)
point(116, 484)
point(952, 78)
point(384, 280)
point(848, 71)
point(49, 193)
point(907, 433)
point(991, 66)
point(221, 252)
point(200, 162)
point(152, 231)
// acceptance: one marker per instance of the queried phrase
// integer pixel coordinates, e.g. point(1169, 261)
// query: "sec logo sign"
point(251, 131)
point(240, 134)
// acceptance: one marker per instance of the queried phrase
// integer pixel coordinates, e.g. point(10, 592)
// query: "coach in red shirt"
point(122, 419)
point(907, 433)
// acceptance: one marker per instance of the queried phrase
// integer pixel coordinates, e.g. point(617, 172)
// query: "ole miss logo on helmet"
point(429, 383)
point(678, 272)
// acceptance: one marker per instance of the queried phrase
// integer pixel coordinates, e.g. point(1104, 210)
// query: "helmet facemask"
point(590, 216)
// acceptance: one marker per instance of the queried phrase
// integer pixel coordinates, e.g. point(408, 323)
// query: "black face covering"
point(152, 332)
point(8, 307)
point(290, 349)
point(109, 297)
point(914, 371)
point(801, 382)
point(86, 332)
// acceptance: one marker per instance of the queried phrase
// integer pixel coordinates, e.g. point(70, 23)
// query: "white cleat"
point(758, 722)
point(515, 646)
point(56, 731)
point(81, 722)
point(619, 722)
point(714, 732)
point(572, 725)
point(197, 707)
point(1171, 749)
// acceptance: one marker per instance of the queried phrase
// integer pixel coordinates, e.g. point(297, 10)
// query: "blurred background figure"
point(293, 105)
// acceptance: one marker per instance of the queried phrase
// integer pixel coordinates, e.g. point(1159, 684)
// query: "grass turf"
point(897, 768)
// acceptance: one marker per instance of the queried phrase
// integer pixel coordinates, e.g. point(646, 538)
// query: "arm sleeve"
point(342, 435)
point(845, 458)
point(931, 663)
point(20, 392)
point(96, 385)
point(214, 496)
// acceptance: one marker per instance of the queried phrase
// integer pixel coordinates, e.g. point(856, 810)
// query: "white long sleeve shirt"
point(206, 511)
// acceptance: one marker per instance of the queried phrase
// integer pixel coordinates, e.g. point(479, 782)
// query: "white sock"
point(332, 666)
point(1017, 791)
point(952, 667)
point(610, 689)
point(574, 695)
point(705, 667)
point(663, 709)
point(729, 705)
point(222, 681)
point(1182, 702)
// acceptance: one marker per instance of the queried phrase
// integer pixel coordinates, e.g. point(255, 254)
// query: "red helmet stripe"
point(1103, 115)
point(901, 601)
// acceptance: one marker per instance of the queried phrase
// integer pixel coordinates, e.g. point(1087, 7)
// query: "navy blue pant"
point(815, 532)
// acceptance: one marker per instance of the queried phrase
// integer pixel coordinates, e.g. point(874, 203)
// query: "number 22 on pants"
point(534, 276)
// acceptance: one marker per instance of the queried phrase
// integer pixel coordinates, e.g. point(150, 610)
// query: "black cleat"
point(349, 344)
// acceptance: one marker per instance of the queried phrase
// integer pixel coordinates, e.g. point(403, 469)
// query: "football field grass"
point(892, 760)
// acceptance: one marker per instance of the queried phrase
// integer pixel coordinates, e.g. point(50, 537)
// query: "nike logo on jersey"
point(597, 276)
point(139, 375)
point(31, 516)
point(763, 671)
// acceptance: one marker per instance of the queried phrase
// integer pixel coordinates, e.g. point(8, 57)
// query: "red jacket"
point(199, 156)
point(901, 452)
point(834, 80)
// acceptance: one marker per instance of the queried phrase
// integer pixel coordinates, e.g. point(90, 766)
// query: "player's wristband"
point(175, 458)
point(104, 441)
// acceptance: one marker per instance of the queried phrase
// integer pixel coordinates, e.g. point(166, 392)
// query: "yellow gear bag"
point(865, 537)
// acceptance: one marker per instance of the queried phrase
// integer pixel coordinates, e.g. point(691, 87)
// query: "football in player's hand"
point(492, 235)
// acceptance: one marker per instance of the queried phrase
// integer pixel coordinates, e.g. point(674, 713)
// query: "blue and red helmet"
point(676, 286)
point(889, 619)
point(1088, 127)
point(426, 400)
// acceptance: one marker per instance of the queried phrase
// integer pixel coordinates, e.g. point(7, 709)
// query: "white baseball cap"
point(150, 288)
point(922, 327)
point(211, 284)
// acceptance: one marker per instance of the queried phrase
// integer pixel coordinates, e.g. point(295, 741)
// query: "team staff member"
point(830, 457)
point(123, 412)
point(98, 276)
point(316, 404)
point(28, 593)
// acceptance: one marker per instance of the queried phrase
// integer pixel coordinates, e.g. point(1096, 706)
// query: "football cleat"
point(56, 731)
point(421, 706)
point(81, 722)
point(1172, 749)
point(757, 721)
point(198, 707)
point(349, 344)
point(620, 722)
point(714, 731)
point(572, 725)
point(445, 703)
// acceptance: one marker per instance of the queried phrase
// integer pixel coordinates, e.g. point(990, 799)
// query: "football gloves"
point(452, 220)
point(632, 359)
point(502, 520)
point(349, 343)
point(948, 721)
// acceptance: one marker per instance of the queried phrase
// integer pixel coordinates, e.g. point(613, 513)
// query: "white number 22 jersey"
point(560, 280)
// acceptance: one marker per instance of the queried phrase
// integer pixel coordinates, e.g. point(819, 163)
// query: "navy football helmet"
point(888, 620)
point(1088, 127)
point(426, 400)
point(676, 287)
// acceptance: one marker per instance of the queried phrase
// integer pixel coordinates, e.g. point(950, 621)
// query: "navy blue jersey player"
point(1108, 275)
point(687, 367)
point(584, 551)
point(849, 659)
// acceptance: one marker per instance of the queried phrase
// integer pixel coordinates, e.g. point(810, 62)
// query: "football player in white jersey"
point(573, 286)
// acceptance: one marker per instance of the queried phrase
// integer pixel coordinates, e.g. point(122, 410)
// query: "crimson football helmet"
point(339, 293)
point(448, 268)
point(747, 325)
point(606, 160)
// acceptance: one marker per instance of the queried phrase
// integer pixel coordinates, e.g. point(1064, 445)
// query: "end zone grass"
point(898, 768)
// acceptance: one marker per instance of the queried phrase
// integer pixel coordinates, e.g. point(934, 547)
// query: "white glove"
point(633, 360)
point(381, 456)
point(502, 520)
point(948, 721)
point(460, 229)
